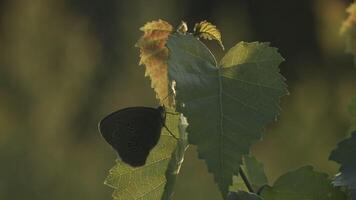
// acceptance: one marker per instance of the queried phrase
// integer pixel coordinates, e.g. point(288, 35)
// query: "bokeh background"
point(64, 64)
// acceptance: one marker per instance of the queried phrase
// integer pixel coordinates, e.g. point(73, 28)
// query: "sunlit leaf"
point(154, 55)
point(303, 184)
point(226, 106)
point(237, 184)
point(156, 178)
point(345, 154)
point(348, 29)
point(182, 28)
point(160, 25)
point(176, 159)
point(208, 31)
point(254, 172)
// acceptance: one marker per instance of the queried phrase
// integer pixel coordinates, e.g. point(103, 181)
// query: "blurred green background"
point(64, 64)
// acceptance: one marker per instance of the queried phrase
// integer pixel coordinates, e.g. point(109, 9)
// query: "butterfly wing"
point(133, 132)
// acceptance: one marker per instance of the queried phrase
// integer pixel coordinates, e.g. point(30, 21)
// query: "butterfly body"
point(133, 132)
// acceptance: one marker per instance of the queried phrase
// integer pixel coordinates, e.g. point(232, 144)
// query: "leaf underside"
point(345, 154)
point(303, 184)
point(227, 106)
point(150, 181)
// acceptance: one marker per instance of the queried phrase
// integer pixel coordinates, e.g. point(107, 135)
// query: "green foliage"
point(345, 155)
point(226, 106)
point(154, 180)
point(177, 158)
point(303, 184)
point(254, 172)
point(345, 152)
point(237, 184)
point(241, 195)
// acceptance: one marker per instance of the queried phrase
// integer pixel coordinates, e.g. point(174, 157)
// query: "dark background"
point(64, 64)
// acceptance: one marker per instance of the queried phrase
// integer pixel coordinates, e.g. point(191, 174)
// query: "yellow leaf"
point(182, 28)
point(348, 29)
point(154, 55)
point(207, 30)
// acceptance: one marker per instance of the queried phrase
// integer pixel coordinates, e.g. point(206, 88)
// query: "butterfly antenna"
point(170, 132)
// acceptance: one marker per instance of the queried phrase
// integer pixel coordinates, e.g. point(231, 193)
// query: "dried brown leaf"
point(154, 55)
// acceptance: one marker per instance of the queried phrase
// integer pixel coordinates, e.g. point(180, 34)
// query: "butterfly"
point(133, 132)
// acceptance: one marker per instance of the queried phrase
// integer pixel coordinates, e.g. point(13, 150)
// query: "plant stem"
point(244, 178)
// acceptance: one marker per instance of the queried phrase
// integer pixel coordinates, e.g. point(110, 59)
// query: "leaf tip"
point(208, 31)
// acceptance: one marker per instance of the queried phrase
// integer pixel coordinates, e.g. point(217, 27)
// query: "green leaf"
point(303, 184)
point(241, 195)
point(345, 154)
point(254, 171)
point(156, 178)
point(227, 106)
point(237, 184)
point(177, 158)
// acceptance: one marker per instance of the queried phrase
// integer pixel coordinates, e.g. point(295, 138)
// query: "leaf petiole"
point(169, 131)
point(245, 179)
